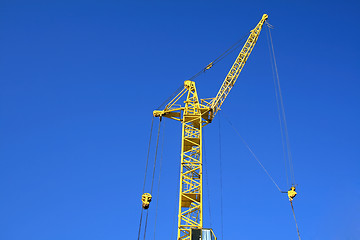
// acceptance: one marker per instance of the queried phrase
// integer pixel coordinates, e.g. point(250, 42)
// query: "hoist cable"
point(282, 118)
point(282, 111)
point(207, 180)
point(175, 218)
point(140, 223)
point(216, 60)
point(153, 175)
point(221, 182)
point(158, 187)
point(207, 176)
point(230, 49)
point(148, 152)
point(221, 57)
point(252, 152)
point(147, 161)
point(171, 96)
point(297, 228)
point(176, 206)
point(147, 214)
point(156, 151)
point(278, 107)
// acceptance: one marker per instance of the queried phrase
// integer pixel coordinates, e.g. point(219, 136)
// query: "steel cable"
point(153, 176)
point(278, 109)
point(282, 118)
point(252, 152)
point(158, 187)
point(140, 223)
point(207, 180)
point(221, 57)
point(215, 61)
point(148, 153)
point(278, 88)
point(221, 182)
point(156, 151)
point(297, 228)
point(147, 161)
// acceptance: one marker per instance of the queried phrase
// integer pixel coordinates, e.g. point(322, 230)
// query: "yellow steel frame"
point(236, 68)
point(194, 115)
point(190, 200)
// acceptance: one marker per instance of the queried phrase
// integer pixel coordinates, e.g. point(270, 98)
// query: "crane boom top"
point(236, 68)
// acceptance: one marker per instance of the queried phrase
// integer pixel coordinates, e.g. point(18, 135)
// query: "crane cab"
point(202, 234)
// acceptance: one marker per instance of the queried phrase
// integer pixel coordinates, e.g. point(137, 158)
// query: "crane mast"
point(194, 115)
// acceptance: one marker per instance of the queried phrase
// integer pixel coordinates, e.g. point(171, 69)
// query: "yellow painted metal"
point(236, 68)
point(194, 115)
point(146, 199)
point(190, 198)
point(291, 193)
point(212, 232)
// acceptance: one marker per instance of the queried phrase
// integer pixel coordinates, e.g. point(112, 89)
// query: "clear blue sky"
point(79, 81)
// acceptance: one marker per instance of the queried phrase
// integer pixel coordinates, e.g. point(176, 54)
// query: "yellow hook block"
point(146, 199)
point(291, 193)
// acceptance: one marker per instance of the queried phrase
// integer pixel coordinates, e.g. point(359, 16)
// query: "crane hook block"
point(291, 193)
point(146, 199)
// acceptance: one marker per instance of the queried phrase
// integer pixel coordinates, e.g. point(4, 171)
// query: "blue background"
point(79, 81)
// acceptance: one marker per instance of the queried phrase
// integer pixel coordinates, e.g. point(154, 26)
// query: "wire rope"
point(146, 167)
point(282, 118)
point(153, 175)
point(142, 210)
point(174, 219)
point(286, 133)
point(160, 167)
point(278, 107)
point(252, 152)
point(147, 214)
point(231, 49)
point(297, 228)
point(221, 182)
point(221, 57)
point(207, 181)
point(156, 151)
point(171, 96)
point(176, 203)
point(148, 153)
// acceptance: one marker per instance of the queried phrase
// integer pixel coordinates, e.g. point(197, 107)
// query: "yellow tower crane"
point(194, 115)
